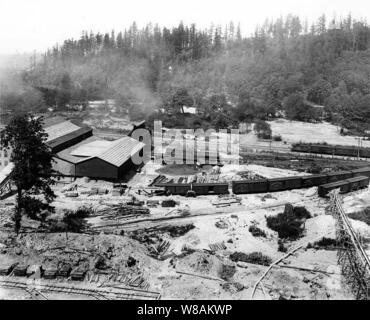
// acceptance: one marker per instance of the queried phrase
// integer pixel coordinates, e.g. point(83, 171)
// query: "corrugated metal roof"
point(92, 149)
point(121, 150)
point(58, 130)
point(60, 140)
point(67, 155)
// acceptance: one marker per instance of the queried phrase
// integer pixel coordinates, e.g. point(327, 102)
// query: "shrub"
point(281, 246)
point(254, 257)
point(257, 232)
point(363, 216)
point(326, 242)
point(290, 223)
point(73, 221)
point(301, 212)
point(277, 138)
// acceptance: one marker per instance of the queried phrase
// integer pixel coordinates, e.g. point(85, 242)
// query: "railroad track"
point(36, 289)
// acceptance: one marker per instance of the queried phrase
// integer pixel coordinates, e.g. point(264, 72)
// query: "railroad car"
point(293, 183)
point(348, 151)
point(276, 184)
point(324, 149)
point(286, 183)
point(324, 189)
point(365, 152)
point(355, 183)
point(210, 188)
point(339, 175)
point(345, 186)
point(361, 172)
point(314, 180)
point(301, 148)
point(176, 188)
point(250, 186)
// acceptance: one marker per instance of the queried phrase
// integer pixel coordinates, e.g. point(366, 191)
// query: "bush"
point(73, 221)
point(262, 129)
point(257, 232)
point(277, 138)
point(290, 223)
point(281, 246)
point(315, 168)
point(326, 242)
point(254, 257)
point(363, 216)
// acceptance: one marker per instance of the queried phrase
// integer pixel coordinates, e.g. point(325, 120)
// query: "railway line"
point(37, 290)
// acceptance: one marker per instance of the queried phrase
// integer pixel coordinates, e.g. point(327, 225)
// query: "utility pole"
point(359, 140)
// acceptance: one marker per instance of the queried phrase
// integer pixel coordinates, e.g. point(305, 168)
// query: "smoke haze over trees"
point(285, 63)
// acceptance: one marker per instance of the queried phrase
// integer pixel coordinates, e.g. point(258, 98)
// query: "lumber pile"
point(20, 270)
point(50, 272)
point(64, 271)
point(226, 201)
point(6, 269)
point(217, 246)
point(78, 274)
point(158, 180)
point(71, 194)
point(116, 212)
point(163, 247)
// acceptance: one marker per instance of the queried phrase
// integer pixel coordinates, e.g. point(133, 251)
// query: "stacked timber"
point(20, 270)
point(217, 246)
point(78, 274)
point(64, 271)
point(6, 269)
point(50, 272)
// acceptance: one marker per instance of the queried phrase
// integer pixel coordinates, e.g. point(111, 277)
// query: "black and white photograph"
point(198, 150)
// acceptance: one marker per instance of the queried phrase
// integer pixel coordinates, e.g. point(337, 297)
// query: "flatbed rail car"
point(345, 186)
point(338, 150)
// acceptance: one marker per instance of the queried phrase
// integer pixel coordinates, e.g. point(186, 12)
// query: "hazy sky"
point(27, 25)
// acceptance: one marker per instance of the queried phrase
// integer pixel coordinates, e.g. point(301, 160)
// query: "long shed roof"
point(121, 150)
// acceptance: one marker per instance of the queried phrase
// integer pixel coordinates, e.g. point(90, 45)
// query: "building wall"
point(64, 167)
point(96, 168)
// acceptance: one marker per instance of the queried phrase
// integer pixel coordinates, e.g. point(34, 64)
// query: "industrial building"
point(78, 153)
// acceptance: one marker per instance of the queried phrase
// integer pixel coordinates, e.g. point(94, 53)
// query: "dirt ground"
point(296, 131)
point(189, 268)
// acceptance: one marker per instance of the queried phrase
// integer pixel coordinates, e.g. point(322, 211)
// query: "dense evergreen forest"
point(284, 65)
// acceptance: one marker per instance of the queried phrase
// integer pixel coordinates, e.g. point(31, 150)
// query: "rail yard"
point(196, 232)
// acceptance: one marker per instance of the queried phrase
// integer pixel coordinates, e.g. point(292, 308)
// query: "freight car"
point(290, 183)
point(361, 172)
point(339, 150)
point(210, 188)
point(345, 186)
point(314, 180)
point(339, 175)
point(250, 186)
point(286, 183)
point(183, 189)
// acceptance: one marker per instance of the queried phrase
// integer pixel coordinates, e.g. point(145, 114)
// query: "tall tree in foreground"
point(32, 160)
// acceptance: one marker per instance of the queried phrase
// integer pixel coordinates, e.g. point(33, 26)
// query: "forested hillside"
point(229, 78)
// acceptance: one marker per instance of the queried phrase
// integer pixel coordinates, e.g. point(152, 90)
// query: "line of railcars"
point(338, 150)
point(345, 186)
point(276, 184)
point(290, 183)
